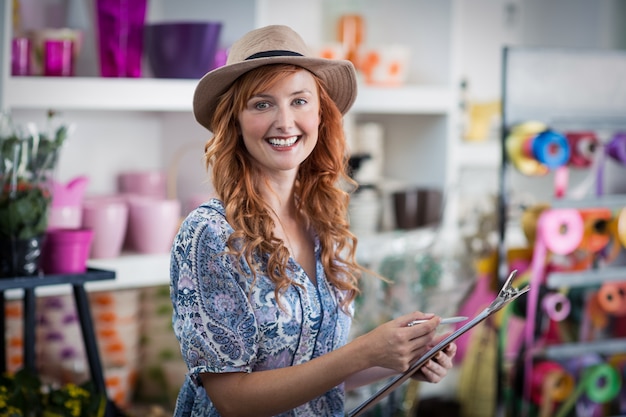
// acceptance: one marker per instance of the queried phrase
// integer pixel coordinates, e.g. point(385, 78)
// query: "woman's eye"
point(261, 105)
point(300, 101)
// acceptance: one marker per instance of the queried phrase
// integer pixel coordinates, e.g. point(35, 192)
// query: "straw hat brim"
point(339, 77)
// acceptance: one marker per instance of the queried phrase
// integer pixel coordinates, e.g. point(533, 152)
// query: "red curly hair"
point(320, 200)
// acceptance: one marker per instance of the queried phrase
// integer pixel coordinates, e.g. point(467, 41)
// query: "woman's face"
point(280, 125)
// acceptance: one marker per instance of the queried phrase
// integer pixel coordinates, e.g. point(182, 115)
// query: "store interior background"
point(455, 58)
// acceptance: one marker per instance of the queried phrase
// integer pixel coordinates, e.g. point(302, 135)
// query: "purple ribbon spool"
point(616, 148)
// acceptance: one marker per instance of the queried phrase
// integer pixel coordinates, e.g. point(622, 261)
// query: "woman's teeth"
point(283, 142)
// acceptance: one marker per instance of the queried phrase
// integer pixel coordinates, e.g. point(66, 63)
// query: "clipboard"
point(506, 295)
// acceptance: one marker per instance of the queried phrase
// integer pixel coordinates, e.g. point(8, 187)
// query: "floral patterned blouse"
point(224, 324)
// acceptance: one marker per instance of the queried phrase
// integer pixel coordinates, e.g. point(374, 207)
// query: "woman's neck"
point(280, 196)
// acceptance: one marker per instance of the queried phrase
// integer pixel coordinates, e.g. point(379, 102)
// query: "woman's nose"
point(284, 117)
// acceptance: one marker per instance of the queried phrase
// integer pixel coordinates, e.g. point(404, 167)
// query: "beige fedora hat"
point(274, 44)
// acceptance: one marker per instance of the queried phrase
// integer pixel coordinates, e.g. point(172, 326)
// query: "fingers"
point(450, 350)
point(433, 372)
point(437, 368)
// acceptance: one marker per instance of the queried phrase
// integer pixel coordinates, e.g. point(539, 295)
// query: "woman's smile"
point(283, 142)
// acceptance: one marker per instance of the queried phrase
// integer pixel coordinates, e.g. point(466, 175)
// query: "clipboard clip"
point(507, 294)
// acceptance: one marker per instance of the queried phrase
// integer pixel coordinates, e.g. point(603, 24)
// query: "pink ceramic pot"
point(66, 251)
point(152, 224)
point(107, 216)
point(146, 183)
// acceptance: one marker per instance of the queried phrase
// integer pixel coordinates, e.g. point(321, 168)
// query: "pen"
point(447, 320)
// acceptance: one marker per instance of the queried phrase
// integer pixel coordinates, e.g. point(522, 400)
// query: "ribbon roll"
point(616, 148)
point(597, 232)
point(514, 146)
point(583, 147)
point(595, 313)
point(561, 230)
point(529, 220)
point(619, 362)
point(601, 383)
point(619, 227)
point(557, 306)
point(616, 234)
point(612, 298)
point(549, 148)
point(550, 381)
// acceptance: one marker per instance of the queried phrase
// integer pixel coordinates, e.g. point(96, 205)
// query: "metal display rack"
point(567, 90)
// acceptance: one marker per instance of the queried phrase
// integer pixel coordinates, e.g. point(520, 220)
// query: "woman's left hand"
point(437, 368)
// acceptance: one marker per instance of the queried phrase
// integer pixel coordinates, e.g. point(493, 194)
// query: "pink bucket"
point(66, 251)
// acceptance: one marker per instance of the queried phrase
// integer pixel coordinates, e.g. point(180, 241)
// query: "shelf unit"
point(558, 73)
point(418, 118)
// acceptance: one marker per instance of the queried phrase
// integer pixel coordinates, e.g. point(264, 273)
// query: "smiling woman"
point(264, 275)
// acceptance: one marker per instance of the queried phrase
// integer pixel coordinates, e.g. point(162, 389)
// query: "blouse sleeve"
point(212, 317)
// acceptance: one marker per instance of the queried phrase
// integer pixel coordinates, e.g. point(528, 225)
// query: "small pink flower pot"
point(107, 216)
point(146, 183)
point(66, 251)
point(152, 224)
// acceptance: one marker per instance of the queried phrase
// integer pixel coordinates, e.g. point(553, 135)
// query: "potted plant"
point(23, 394)
point(27, 161)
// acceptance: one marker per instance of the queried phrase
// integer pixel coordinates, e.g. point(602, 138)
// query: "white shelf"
point(131, 271)
point(83, 93)
point(152, 94)
point(412, 99)
point(610, 201)
point(479, 154)
point(585, 278)
point(570, 350)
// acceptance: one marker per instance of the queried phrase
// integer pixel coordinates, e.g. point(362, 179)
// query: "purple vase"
point(182, 49)
point(120, 36)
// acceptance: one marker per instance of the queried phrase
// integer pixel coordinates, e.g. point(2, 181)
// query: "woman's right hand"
point(395, 345)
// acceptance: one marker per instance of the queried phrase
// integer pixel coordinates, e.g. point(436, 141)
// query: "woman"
point(264, 274)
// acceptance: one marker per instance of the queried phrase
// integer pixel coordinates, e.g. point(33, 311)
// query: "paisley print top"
point(226, 324)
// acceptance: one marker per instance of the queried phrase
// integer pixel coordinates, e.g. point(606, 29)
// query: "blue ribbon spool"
point(551, 149)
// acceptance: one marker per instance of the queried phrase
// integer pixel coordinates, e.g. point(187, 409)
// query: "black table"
point(77, 281)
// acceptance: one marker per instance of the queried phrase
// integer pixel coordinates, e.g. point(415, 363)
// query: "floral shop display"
point(28, 158)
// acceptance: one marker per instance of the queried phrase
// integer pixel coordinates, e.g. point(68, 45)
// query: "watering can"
point(67, 200)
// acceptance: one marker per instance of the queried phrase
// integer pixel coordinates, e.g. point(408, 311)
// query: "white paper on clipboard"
point(506, 295)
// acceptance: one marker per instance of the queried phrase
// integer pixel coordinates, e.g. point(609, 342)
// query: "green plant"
point(22, 394)
point(28, 158)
